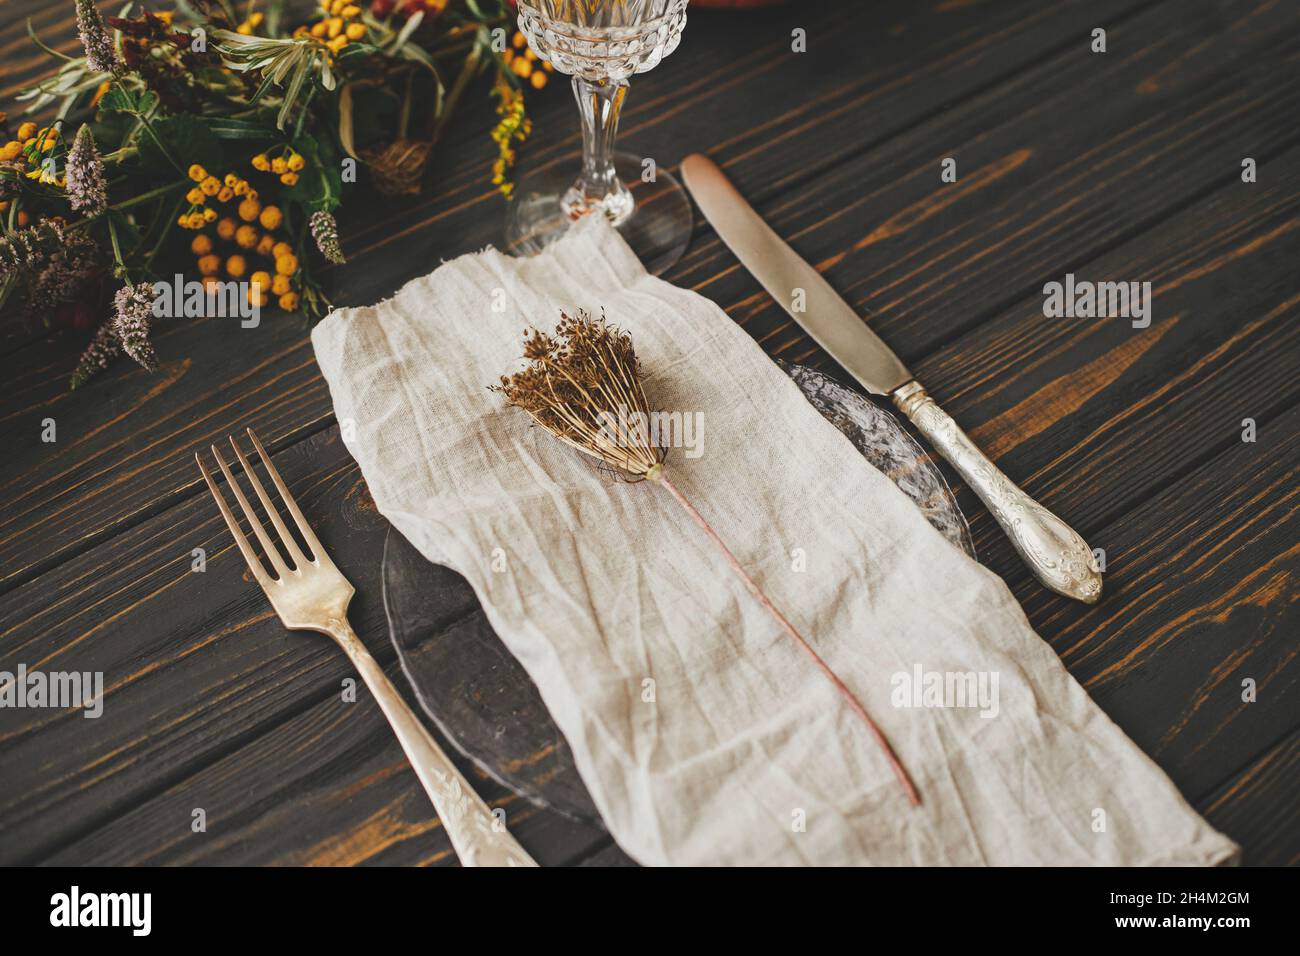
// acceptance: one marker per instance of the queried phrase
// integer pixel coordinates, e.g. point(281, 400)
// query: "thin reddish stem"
point(899, 771)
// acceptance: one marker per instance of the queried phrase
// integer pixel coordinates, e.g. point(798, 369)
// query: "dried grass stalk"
point(585, 375)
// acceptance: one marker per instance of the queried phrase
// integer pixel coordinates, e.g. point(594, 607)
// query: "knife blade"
point(797, 286)
point(1057, 555)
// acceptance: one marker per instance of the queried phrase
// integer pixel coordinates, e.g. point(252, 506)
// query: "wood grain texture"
point(1123, 166)
point(1258, 804)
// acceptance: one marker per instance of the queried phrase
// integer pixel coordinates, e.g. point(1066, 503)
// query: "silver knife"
point(1053, 550)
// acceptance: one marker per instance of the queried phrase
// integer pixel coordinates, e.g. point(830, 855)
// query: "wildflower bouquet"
point(229, 139)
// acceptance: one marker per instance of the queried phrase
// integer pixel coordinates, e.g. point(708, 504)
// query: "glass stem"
point(599, 104)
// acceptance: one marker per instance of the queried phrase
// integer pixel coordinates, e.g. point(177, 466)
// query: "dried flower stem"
point(575, 382)
point(856, 705)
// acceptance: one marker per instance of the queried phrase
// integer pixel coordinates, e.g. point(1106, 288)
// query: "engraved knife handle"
point(1053, 550)
point(476, 835)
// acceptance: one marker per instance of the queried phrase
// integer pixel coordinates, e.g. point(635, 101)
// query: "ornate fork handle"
point(1053, 550)
point(478, 838)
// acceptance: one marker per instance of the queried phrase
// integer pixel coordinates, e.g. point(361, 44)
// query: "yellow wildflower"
point(271, 218)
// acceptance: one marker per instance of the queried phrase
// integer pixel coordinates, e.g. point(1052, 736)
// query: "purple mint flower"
point(27, 251)
point(64, 273)
point(101, 56)
point(103, 348)
point(326, 233)
point(87, 191)
point(134, 305)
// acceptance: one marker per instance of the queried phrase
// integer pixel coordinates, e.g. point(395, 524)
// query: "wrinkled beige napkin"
point(704, 735)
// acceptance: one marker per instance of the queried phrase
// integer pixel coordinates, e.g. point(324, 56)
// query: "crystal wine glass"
point(601, 43)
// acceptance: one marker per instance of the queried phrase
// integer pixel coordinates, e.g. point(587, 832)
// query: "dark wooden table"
point(1123, 165)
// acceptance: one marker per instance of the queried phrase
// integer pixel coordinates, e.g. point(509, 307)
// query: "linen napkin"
point(703, 733)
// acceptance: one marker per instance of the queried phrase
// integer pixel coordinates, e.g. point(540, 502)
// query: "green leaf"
point(118, 97)
point(240, 129)
point(411, 26)
point(187, 138)
point(321, 179)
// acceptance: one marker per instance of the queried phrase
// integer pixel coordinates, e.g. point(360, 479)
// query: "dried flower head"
point(579, 380)
point(101, 55)
point(87, 191)
point(134, 304)
point(585, 374)
point(326, 233)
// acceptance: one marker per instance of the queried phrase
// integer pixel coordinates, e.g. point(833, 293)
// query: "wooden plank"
point(194, 664)
point(1202, 589)
point(327, 787)
point(114, 465)
point(1045, 181)
point(1092, 416)
point(908, 63)
point(1257, 806)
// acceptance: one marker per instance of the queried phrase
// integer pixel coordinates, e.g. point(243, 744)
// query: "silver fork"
point(313, 595)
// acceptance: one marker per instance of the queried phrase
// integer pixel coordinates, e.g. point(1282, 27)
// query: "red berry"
point(381, 8)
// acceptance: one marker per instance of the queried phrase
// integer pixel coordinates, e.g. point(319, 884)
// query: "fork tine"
point(281, 569)
point(254, 565)
point(286, 539)
point(308, 535)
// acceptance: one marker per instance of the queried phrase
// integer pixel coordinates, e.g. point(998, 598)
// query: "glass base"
point(658, 228)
